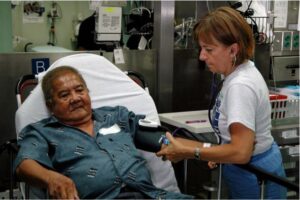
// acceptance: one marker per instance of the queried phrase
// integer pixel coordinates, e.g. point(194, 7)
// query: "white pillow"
point(108, 86)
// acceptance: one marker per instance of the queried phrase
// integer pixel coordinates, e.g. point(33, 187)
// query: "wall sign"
point(39, 65)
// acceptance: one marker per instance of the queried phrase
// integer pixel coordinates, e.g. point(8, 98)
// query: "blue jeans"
point(244, 185)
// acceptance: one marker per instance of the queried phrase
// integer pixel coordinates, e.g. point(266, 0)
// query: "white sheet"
point(108, 86)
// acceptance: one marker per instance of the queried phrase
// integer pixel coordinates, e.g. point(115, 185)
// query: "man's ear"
point(49, 105)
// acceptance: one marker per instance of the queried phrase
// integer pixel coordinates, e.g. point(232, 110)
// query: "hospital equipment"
point(183, 32)
point(108, 86)
point(139, 23)
point(108, 24)
point(151, 135)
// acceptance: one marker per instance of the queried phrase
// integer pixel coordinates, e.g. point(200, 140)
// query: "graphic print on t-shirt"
point(216, 115)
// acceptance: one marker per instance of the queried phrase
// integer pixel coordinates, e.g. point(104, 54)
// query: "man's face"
point(71, 103)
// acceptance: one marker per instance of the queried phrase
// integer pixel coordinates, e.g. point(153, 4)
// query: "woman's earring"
point(233, 60)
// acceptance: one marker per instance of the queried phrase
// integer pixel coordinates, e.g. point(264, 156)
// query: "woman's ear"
point(234, 49)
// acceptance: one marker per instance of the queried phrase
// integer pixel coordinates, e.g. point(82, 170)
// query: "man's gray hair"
point(47, 81)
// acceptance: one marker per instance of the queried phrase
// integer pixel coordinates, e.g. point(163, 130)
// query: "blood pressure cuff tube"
point(149, 139)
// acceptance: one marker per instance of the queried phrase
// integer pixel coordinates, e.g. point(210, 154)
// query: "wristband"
point(206, 145)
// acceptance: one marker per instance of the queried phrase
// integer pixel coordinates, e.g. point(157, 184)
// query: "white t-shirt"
point(244, 98)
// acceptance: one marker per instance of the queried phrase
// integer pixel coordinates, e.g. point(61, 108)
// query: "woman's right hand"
point(178, 149)
point(172, 150)
point(212, 165)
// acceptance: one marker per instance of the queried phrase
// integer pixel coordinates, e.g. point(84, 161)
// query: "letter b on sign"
point(39, 65)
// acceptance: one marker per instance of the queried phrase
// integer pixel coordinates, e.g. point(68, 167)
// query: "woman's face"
point(217, 57)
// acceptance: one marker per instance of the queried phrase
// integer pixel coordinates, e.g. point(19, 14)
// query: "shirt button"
point(110, 139)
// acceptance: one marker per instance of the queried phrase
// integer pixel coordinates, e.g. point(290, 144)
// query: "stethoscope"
point(215, 90)
point(216, 87)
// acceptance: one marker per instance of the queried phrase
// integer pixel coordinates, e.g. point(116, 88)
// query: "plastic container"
point(283, 107)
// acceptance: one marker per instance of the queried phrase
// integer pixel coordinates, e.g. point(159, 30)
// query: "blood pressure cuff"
point(149, 139)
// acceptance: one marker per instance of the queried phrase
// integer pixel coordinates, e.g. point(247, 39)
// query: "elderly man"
point(79, 152)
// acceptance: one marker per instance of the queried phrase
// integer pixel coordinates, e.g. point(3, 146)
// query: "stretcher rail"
point(263, 175)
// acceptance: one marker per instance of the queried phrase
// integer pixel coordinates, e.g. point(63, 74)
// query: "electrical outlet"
point(287, 40)
point(295, 40)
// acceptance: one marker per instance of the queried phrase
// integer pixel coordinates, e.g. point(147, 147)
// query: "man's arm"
point(58, 185)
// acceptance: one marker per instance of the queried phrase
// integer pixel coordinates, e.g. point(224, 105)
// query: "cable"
point(247, 14)
point(215, 89)
point(186, 133)
point(249, 5)
point(139, 11)
point(208, 7)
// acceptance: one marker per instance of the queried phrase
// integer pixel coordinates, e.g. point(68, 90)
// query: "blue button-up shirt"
point(101, 165)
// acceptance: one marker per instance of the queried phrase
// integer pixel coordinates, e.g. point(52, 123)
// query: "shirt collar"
point(53, 120)
point(238, 68)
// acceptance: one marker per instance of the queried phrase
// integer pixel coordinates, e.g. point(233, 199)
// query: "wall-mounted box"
point(285, 68)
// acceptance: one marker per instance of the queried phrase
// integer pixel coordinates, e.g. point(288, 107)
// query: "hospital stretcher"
point(108, 86)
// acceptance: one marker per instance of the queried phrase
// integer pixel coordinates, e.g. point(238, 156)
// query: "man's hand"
point(61, 187)
point(58, 185)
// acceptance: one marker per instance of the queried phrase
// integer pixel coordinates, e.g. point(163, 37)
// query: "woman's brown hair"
point(227, 26)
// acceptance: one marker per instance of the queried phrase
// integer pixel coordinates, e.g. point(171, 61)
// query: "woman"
point(241, 114)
